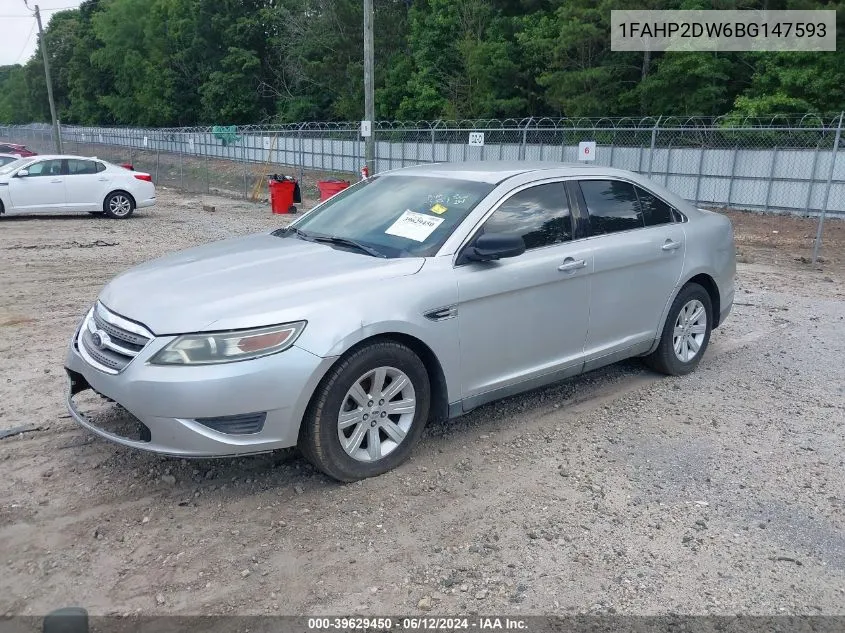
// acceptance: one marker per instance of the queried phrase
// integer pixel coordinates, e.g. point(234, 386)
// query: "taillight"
point(146, 177)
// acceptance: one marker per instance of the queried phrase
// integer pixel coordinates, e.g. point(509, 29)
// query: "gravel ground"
point(620, 491)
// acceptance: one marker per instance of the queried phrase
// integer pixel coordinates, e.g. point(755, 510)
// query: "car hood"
point(243, 282)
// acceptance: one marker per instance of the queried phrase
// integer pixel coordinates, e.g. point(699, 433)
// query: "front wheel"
point(367, 413)
point(686, 333)
point(118, 205)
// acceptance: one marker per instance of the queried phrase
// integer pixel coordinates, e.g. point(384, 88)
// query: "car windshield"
point(393, 216)
point(10, 167)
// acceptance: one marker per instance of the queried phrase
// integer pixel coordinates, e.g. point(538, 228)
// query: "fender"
point(688, 276)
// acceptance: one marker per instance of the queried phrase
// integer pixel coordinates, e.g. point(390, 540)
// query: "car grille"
point(108, 341)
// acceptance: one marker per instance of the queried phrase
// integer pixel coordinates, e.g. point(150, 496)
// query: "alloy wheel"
point(120, 205)
point(376, 414)
point(690, 329)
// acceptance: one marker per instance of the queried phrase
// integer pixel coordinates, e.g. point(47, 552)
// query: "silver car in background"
point(417, 294)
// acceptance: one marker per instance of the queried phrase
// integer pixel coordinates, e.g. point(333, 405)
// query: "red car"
point(14, 148)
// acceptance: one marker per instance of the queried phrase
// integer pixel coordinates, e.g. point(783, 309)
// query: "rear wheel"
point(686, 333)
point(367, 413)
point(66, 620)
point(118, 205)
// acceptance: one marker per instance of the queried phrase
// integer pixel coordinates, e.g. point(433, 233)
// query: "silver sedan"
point(417, 294)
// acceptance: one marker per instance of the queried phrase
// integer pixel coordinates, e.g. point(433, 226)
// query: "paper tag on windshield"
point(414, 226)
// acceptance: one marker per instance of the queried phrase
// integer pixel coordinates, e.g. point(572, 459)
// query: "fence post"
point(698, 174)
point(733, 173)
point(243, 161)
point(181, 162)
point(524, 138)
point(668, 164)
point(812, 180)
point(833, 154)
point(653, 139)
point(301, 153)
point(562, 145)
point(432, 144)
point(771, 176)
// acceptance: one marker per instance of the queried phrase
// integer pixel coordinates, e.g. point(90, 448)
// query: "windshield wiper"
point(331, 239)
point(345, 241)
point(298, 232)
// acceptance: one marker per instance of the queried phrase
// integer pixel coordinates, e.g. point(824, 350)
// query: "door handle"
point(56, 181)
point(102, 179)
point(671, 246)
point(572, 264)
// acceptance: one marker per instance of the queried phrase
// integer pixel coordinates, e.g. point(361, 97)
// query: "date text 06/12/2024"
point(417, 624)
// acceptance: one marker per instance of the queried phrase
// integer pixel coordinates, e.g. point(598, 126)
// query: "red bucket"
point(281, 196)
point(328, 188)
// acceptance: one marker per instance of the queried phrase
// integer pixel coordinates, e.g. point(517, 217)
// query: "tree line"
point(163, 63)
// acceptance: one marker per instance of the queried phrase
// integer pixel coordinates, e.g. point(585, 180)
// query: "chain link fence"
point(781, 164)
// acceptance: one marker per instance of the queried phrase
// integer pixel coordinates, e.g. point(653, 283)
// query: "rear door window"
point(77, 167)
point(612, 206)
point(655, 211)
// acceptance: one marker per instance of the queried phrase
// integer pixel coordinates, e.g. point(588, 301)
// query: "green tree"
point(13, 95)
point(189, 62)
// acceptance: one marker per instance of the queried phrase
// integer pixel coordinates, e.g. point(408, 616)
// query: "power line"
point(26, 43)
point(42, 11)
point(32, 28)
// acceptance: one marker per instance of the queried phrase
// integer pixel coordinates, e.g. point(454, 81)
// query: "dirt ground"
point(619, 491)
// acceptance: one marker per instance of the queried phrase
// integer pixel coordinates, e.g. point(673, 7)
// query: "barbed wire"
point(782, 122)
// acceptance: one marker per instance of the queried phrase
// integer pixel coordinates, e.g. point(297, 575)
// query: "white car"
point(5, 159)
point(53, 184)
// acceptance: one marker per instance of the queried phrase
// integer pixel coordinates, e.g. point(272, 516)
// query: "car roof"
point(62, 156)
point(4, 155)
point(495, 171)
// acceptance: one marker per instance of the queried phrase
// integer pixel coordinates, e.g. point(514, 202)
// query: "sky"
point(18, 32)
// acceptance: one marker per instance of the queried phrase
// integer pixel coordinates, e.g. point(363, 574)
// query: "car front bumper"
point(168, 401)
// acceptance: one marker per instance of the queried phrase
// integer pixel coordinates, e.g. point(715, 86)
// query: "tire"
point(684, 316)
point(67, 620)
point(118, 205)
point(370, 432)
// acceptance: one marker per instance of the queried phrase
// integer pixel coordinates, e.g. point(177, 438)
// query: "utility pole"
point(369, 107)
point(56, 131)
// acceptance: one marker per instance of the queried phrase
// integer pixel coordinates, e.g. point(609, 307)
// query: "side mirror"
point(22, 173)
point(492, 246)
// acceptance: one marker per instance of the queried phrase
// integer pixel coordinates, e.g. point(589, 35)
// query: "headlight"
point(228, 347)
